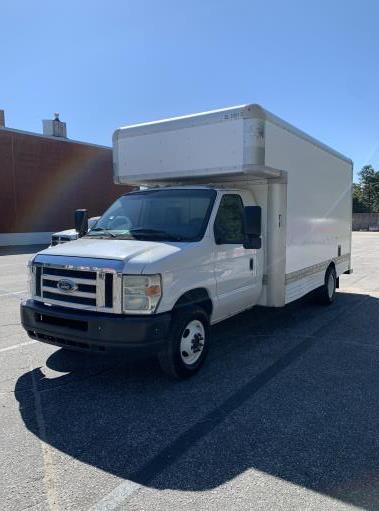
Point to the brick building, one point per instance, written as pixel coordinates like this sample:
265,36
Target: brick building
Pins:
45,177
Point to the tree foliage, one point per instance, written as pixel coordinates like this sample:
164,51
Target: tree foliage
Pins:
358,204
366,191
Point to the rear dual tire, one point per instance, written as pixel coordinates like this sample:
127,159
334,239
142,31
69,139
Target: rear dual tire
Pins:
326,294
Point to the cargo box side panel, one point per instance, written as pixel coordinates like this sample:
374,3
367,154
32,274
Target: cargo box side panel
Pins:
196,150
318,207
213,144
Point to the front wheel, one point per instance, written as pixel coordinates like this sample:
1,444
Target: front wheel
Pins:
188,343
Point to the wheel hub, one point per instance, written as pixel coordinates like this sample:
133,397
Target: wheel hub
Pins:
192,342
196,344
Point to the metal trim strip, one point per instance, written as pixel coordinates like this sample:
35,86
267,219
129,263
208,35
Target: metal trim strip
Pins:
69,305
245,172
100,289
310,270
89,282
57,292
316,268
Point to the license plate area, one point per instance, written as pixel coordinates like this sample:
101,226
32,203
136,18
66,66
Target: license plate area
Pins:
72,324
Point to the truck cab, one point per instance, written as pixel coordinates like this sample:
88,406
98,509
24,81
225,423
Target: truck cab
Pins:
154,256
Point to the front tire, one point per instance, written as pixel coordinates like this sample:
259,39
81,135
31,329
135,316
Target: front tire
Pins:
327,293
188,343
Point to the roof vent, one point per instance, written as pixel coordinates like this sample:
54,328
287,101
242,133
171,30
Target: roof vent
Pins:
2,119
55,127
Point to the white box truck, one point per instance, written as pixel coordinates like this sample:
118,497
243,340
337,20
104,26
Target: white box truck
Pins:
236,208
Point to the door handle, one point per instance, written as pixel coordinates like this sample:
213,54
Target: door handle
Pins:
251,264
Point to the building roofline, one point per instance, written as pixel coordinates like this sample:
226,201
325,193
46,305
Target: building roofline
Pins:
47,137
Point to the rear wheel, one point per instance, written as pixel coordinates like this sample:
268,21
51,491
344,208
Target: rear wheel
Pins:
327,293
187,346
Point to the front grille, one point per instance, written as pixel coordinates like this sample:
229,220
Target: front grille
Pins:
108,290
70,298
76,288
61,272
81,287
38,280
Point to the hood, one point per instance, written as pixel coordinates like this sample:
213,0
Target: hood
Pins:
135,253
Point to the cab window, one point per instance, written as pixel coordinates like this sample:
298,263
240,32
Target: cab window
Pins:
229,223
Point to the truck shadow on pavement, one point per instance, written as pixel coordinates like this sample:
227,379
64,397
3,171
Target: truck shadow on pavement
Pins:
292,393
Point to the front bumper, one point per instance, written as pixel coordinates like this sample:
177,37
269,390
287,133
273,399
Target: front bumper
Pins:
92,331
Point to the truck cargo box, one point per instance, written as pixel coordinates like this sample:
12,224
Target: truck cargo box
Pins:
303,186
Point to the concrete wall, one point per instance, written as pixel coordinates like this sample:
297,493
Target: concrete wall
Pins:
44,179
366,221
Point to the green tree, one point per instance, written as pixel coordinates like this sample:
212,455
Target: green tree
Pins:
366,193
358,204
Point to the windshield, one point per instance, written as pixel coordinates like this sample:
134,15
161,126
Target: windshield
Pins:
169,215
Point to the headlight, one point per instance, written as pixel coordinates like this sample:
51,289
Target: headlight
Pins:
141,293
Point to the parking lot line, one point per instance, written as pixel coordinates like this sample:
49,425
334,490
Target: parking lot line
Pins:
116,497
10,293
15,346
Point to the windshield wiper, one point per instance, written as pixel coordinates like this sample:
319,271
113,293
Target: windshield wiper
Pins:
155,232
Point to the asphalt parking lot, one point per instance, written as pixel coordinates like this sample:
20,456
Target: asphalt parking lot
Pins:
285,415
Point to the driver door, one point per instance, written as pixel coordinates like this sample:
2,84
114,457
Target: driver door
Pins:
236,272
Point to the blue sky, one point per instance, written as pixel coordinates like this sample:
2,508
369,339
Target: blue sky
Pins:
104,64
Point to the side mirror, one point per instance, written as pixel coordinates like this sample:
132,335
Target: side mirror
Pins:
253,221
252,242
253,227
81,222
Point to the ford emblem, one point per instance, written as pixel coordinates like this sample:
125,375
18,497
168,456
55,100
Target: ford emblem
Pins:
66,285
